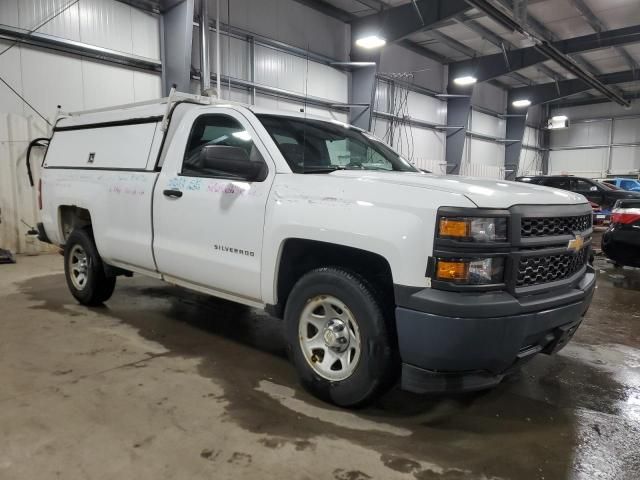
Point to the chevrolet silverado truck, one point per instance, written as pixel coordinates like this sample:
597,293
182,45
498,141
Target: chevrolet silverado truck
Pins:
380,271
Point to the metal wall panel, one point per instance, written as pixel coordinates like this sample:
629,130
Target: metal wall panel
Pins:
106,23
288,22
487,124
423,147
145,40
50,79
427,108
592,133
11,72
590,163
33,13
625,161
9,13
486,153
626,130
98,81
296,74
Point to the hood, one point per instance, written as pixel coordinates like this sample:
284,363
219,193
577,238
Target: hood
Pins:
484,192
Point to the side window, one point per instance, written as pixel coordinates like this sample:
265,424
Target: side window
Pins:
219,130
626,184
583,186
562,183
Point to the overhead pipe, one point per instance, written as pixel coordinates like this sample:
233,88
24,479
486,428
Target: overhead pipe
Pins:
205,79
218,69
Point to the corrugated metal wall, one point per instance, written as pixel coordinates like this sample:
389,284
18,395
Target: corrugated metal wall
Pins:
602,140
47,78
483,155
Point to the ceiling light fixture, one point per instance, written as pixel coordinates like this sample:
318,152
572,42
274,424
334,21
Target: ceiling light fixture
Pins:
521,103
466,80
372,41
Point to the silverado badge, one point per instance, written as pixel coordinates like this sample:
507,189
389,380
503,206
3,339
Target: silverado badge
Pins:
575,244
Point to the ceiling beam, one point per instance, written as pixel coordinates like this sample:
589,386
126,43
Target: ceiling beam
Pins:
396,23
495,65
550,92
547,48
598,26
546,34
591,101
328,9
501,43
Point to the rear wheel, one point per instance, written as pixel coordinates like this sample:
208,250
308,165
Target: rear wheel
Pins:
84,270
338,337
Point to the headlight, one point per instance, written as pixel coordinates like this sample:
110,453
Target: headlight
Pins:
473,229
486,271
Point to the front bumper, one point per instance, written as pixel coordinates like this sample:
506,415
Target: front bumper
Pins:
469,341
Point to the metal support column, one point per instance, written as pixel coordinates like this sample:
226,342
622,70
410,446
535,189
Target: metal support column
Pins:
177,37
362,88
516,124
458,109
252,68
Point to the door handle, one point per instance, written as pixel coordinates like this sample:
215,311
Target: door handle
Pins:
172,193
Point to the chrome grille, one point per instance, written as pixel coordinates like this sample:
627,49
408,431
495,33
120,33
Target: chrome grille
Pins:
553,226
550,268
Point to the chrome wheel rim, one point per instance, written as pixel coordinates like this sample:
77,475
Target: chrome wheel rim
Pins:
329,337
78,267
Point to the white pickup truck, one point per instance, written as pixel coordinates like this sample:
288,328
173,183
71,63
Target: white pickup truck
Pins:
379,270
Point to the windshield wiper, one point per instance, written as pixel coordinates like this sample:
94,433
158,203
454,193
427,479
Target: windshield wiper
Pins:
325,169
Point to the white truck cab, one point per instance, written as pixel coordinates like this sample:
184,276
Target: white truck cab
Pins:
379,270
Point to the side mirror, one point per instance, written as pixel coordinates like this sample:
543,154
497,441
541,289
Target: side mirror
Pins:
593,189
231,160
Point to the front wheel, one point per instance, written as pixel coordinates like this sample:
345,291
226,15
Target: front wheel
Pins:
338,337
84,270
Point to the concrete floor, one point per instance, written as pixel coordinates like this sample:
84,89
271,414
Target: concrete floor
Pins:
163,383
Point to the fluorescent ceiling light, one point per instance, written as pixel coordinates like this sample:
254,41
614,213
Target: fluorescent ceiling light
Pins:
467,80
559,118
521,103
372,41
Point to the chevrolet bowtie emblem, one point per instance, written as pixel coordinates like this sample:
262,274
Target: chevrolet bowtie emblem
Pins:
576,244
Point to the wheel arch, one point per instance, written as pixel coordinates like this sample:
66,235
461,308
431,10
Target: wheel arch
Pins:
71,217
298,256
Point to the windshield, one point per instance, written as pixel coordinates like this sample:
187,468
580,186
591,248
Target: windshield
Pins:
316,146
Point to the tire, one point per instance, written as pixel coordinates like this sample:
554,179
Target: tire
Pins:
336,367
84,270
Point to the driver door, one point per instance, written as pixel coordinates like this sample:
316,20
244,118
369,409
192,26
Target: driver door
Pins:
589,189
208,224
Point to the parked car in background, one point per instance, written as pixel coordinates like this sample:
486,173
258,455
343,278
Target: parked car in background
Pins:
599,216
629,184
621,242
603,194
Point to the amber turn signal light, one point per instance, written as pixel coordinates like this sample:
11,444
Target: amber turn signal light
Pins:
454,228
452,271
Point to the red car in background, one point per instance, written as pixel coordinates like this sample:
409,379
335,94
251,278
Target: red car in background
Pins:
621,242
